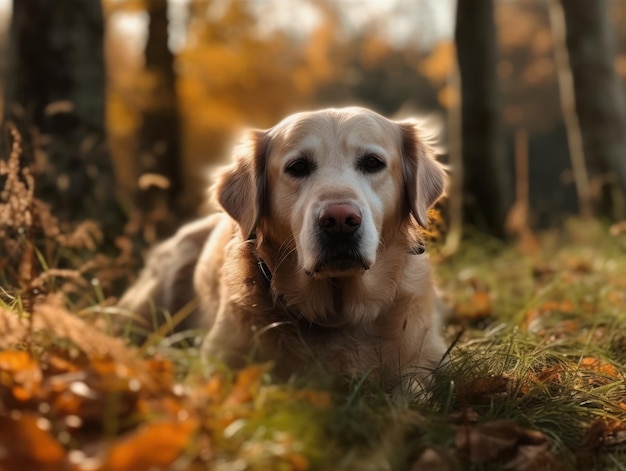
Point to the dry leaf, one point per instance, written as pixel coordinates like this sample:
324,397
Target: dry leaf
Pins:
246,385
25,444
600,366
485,388
152,446
506,442
434,460
476,308
321,399
603,432
21,373
598,372
551,374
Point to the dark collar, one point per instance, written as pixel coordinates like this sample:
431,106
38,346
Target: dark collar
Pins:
265,270
262,266
419,249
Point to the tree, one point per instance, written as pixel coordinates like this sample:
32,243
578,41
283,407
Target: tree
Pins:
487,187
55,93
598,90
159,165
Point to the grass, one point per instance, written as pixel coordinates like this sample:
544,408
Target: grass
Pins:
536,381
548,349
536,378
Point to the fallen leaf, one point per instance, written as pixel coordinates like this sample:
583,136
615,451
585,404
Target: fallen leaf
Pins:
55,365
434,460
487,387
598,372
504,441
26,444
547,376
551,374
600,366
152,446
297,461
476,308
21,373
320,399
530,457
602,433
246,385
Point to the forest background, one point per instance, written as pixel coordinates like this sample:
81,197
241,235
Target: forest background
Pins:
113,115
177,83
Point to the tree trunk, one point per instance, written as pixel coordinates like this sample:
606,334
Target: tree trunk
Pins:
159,172
598,90
487,187
55,93
568,107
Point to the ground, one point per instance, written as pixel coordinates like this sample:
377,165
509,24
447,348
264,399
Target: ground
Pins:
537,335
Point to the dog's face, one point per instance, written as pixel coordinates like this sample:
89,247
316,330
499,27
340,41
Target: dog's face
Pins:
333,185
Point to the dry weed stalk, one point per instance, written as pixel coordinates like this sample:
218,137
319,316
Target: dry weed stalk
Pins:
30,233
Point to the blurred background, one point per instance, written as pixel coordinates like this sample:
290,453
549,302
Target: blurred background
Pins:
130,102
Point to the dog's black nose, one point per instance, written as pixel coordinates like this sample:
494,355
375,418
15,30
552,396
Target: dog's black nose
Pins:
340,219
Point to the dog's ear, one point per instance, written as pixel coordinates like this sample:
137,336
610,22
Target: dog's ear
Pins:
424,177
240,189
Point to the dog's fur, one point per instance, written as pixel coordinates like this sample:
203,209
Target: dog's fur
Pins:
274,281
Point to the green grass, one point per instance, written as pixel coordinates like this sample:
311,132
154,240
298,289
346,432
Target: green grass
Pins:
536,379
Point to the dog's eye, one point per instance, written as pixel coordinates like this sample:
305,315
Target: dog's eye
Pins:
300,168
371,163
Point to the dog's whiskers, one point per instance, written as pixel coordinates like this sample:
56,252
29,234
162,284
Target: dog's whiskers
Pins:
287,248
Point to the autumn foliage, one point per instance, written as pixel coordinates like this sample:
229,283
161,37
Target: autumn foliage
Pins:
536,331
535,381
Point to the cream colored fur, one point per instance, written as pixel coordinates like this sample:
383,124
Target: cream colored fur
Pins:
377,314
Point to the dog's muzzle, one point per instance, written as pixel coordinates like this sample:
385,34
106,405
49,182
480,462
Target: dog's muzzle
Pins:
339,240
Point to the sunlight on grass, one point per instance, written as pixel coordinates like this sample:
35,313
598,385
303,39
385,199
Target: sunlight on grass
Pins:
535,381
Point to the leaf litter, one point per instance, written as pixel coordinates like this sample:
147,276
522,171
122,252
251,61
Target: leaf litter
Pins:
535,380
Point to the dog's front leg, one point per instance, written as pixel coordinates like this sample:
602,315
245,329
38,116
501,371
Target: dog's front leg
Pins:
229,340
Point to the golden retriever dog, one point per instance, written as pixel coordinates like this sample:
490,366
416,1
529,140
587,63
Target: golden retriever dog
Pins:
317,257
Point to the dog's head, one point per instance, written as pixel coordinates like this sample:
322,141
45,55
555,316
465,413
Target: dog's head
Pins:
335,185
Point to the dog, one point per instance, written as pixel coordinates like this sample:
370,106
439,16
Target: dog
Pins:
317,257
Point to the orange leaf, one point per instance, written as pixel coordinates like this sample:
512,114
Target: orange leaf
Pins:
19,371
477,308
321,399
247,383
603,432
59,365
297,461
550,374
25,444
152,446
600,366
215,389
483,388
